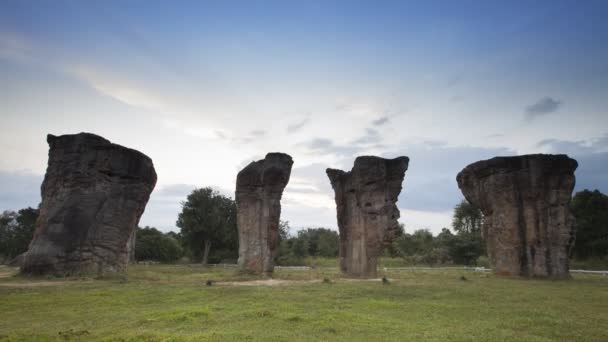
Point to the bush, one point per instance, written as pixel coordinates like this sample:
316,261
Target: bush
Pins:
483,261
152,244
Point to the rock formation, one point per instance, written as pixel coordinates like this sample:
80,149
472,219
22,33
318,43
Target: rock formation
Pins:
259,188
528,226
367,213
93,195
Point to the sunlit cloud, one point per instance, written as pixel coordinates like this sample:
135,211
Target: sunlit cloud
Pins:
111,85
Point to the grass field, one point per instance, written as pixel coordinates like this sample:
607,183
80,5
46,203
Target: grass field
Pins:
173,302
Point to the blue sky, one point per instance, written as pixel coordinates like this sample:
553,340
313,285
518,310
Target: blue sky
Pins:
203,88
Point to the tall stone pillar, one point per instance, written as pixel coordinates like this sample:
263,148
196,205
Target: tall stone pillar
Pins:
367,212
259,188
93,194
528,226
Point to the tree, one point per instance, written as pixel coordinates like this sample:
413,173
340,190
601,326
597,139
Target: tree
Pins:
467,245
283,231
16,231
467,218
591,211
7,226
466,248
315,242
207,218
152,244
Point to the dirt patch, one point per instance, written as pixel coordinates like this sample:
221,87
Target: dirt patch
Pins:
42,283
7,272
361,279
283,282
34,284
267,282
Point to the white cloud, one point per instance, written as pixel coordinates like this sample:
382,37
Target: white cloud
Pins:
434,221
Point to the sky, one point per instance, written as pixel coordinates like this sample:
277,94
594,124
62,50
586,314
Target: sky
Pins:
206,87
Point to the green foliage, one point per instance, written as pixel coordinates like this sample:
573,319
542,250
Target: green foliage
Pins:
422,248
283,230
208,219
152,244
310,242
467,218
16,231
591,211
464,247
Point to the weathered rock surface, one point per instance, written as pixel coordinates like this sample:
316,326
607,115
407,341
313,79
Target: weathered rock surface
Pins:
367,213
259,188
528,226
93,195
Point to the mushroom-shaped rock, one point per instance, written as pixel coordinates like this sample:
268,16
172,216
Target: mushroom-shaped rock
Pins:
528,226
93,194
367,212
259,188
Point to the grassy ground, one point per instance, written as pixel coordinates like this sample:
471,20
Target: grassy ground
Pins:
172,302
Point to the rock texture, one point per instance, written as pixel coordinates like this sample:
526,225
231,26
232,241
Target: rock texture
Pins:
367,213
93,195
528,226
259,188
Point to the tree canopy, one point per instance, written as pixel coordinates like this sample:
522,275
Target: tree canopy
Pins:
591,211
152,244
16,231
467,218
208,219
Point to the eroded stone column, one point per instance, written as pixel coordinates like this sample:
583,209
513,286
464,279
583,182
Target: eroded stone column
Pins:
367,212
93,194
528,226
259,188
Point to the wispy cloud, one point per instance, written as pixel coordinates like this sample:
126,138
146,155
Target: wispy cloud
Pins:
371,136
294,127
576,147
125,91
257,133
327,146
454,81
14,46
592,157
544,106
381,121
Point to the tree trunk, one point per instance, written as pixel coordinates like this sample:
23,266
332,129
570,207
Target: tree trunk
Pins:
206,251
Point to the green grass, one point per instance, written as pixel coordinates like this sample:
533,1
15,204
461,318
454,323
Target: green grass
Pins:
172,302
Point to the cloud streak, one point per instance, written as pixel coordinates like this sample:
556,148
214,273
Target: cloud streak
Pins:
592,157
295,127
381,121
544,106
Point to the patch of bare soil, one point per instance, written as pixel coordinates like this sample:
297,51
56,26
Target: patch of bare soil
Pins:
35,284
361,279
267,282
283,282
7,272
